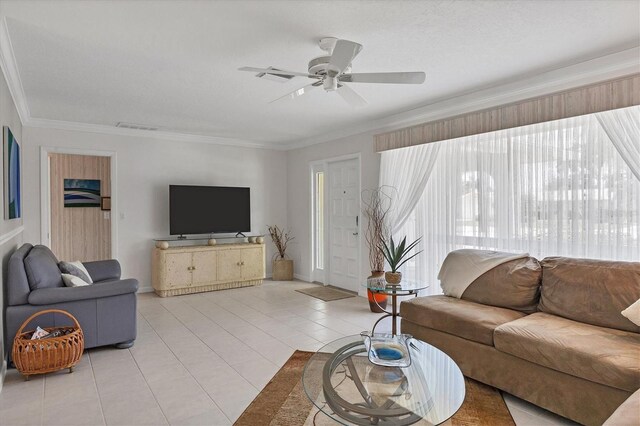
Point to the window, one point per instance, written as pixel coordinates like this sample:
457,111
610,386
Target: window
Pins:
557,188
318,215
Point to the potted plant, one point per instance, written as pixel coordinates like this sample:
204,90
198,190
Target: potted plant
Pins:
396,256
281,266
376,208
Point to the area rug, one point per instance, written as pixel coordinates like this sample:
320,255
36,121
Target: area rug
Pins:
283,402
326,293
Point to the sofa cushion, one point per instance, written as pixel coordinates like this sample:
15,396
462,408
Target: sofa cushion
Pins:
512,285
602,355
469,320
17,281
590,291
626,414
49,296
42,269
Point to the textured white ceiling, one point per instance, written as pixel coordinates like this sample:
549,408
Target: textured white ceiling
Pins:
173,64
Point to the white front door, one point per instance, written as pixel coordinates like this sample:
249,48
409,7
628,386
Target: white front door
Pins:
344,211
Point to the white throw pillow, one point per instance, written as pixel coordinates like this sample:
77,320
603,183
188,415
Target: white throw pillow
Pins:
633,313
73,281
80,266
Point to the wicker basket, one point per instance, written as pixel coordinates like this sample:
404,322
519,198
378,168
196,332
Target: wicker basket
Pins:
41,356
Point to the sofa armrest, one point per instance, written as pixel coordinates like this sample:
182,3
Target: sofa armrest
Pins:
49,296
103,270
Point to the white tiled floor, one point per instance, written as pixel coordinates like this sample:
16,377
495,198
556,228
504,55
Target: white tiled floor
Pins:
199,359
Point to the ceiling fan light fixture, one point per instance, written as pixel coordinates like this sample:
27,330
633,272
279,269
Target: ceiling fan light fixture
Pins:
330,84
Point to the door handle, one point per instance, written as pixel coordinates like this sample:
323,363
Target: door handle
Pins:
356,233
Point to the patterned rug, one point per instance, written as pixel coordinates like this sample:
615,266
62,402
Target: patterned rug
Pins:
326,293
283,402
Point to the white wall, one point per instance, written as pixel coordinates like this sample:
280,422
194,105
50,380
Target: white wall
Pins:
9,240
145,168
299,195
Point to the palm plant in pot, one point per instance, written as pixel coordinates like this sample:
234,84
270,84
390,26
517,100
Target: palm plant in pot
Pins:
396,256
281,266
377,204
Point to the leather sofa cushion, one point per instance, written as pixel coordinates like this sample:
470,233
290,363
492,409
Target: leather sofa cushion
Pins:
462,318
590,291
50,296
512,285
42,269
603,355
626,414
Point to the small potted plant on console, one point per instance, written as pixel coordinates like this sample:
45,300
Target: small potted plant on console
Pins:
281,266
396,256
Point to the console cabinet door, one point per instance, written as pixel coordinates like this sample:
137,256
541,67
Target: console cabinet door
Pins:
178,269
229,268
205,267
252,263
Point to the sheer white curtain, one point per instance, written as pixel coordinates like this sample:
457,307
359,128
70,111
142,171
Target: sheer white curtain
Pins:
407,172
622,126
557,188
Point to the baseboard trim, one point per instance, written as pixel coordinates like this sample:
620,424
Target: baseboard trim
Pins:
302,277
145,289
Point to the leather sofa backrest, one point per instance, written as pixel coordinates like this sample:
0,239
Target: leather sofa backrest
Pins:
512,285
590,291
42,269
17,283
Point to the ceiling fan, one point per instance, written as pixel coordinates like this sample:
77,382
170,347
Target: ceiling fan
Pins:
333,70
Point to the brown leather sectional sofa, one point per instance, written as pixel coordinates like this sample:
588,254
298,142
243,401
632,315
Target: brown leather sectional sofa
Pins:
549,332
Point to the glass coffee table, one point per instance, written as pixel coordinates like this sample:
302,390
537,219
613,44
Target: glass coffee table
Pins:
405,288
344,385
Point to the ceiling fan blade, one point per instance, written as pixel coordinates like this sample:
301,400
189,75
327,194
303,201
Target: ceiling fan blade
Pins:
343,53
351,97
385,77
298,92
275,71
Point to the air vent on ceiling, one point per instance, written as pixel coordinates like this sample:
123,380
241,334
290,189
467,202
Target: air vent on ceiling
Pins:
135,126
280,78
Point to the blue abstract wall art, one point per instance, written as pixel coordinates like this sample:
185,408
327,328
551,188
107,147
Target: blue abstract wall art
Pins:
12,189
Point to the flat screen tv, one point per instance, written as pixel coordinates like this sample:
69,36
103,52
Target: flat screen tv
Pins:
208,209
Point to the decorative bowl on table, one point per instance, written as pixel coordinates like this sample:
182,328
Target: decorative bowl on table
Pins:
388,350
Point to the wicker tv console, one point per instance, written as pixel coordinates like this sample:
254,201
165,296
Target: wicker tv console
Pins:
195,269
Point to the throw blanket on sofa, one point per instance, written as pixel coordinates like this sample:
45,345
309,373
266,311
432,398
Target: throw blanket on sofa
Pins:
461,267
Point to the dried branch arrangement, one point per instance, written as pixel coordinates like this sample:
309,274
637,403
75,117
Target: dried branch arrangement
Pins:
280,239
377,204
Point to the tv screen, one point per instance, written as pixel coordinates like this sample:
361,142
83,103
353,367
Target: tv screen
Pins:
208,209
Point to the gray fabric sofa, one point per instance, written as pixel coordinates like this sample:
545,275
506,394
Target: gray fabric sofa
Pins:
106,310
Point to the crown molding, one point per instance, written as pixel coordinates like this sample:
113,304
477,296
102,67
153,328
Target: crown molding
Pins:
607,67
11,74
44,123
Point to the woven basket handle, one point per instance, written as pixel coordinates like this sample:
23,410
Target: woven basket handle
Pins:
46,311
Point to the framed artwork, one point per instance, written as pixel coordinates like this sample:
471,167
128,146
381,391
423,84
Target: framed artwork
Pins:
82,193
12,189
105,203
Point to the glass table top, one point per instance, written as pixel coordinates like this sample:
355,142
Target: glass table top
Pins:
344,385
405,287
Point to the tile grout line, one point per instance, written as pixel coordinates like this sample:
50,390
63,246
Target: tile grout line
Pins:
95,384
145,377
180,361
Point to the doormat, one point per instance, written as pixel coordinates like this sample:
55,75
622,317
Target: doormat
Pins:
326,293
283,402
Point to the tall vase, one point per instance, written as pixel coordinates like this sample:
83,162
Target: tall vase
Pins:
381,299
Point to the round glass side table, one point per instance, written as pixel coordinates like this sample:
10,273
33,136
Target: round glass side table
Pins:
404,288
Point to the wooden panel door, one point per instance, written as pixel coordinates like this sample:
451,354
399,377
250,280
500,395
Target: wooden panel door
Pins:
79,233
252,263
205,265
178,269
229,268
